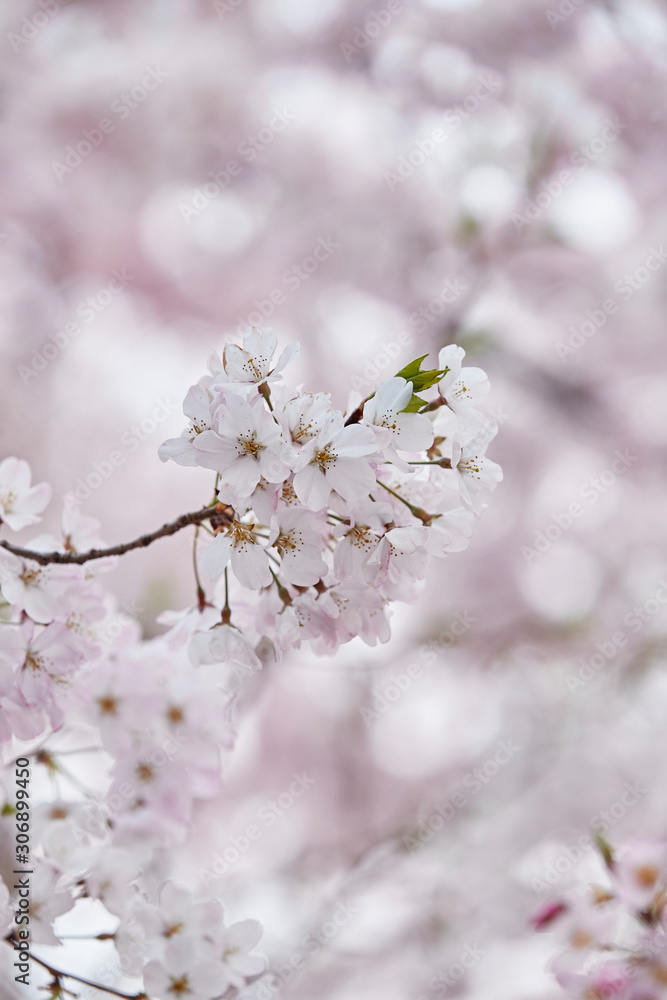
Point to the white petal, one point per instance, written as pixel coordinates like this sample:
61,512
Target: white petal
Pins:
355,441
214,559
414,432
180,450
291,351
352,478
311,487
251,566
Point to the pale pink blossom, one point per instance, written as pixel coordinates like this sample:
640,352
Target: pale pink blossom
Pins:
20,503
253,363
239,546
246,445
337,459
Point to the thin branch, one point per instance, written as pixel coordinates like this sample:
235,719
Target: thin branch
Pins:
44,558
58,976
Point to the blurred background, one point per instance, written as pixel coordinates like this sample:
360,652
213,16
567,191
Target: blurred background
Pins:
375,180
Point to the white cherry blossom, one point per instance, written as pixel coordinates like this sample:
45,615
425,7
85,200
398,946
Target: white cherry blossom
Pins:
223,644
239,546
235,945
37,590
199,405
474,474
411,432
358,540
295,535
463,389
245,446
253,363
20,503
185,973
337,459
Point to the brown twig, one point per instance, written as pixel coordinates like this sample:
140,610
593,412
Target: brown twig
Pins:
219,511
58,975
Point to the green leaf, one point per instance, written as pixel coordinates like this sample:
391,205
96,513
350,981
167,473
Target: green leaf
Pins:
605,849
415,404
411,369
421,380
426,380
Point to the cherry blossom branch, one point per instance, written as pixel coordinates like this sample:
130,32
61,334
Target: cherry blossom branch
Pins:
196,517
58,975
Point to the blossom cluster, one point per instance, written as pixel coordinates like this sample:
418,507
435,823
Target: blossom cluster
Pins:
74,669
614,937
331,516
327,517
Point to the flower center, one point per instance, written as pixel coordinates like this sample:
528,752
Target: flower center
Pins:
288,494
472,466
581,938
647,876
325,458
289,542
108,705
7,501
251,445
172,929
33,661
144,772
179,987
241,535
30,576
360,536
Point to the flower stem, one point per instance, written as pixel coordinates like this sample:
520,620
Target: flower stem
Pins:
201,593
418,512
444,463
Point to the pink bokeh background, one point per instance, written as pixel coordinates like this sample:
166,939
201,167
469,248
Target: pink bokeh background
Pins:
556,287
